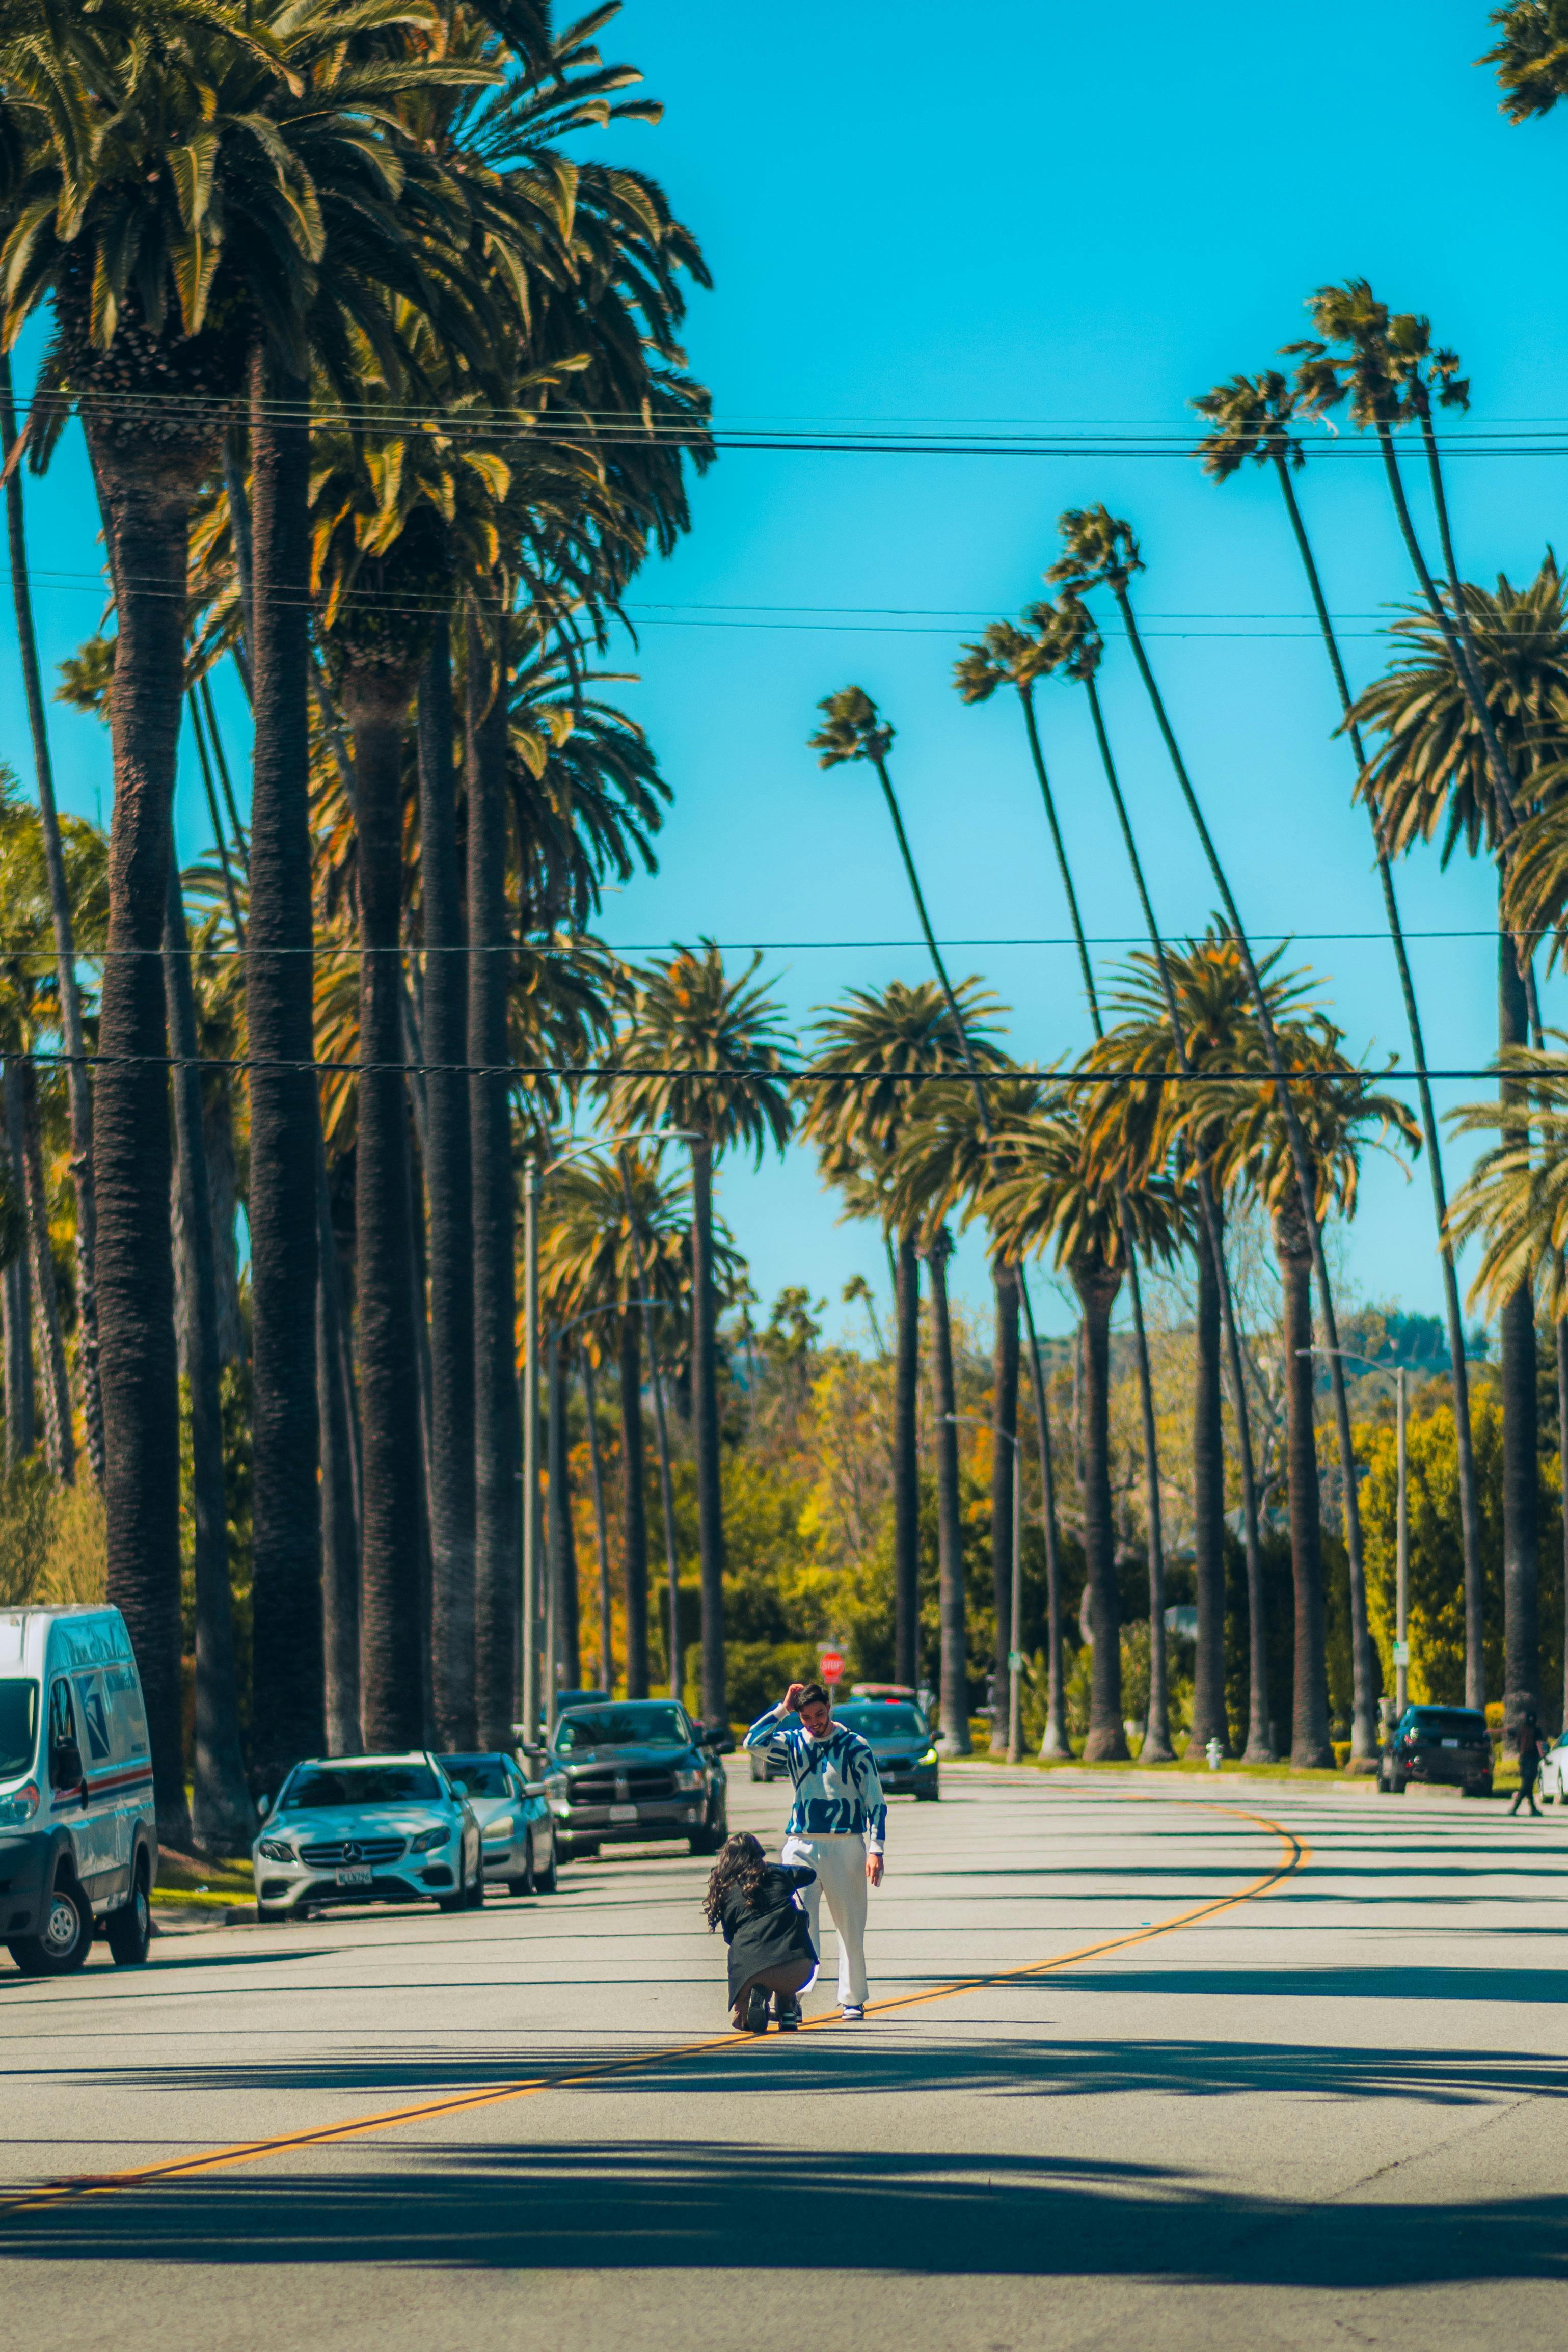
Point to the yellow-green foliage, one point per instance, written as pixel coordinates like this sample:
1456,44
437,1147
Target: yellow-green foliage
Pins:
52,1541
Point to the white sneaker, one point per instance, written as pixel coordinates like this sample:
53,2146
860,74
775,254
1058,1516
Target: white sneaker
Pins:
852,2012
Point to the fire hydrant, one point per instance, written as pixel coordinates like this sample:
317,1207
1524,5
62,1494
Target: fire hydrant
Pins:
1214,1751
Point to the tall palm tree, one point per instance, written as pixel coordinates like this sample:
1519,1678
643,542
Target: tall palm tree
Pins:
1530,55
870,1055
1100,550
1052,1187
614,1224
1011,655
1432,771
1252,419
699,1051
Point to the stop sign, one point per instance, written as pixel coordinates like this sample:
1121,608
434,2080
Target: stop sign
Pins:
832,1667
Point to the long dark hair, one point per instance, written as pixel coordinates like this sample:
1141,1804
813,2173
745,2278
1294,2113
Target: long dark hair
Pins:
741,1868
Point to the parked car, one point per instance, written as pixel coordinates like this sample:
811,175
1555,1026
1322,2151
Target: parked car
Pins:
768,1763
519,1836
79,1837
631,1770
901,1741
1552,1787
1449,1744
367,1829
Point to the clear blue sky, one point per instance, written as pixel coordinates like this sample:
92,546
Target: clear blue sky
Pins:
1011,217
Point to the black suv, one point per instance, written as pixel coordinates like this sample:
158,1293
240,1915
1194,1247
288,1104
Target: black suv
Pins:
1446,1744
631,1770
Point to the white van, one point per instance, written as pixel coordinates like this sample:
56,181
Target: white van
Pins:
79,1837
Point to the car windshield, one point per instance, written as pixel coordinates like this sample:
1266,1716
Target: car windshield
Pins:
1446,1723
623,1726
482,1776
881,1720
315,1787
18,1725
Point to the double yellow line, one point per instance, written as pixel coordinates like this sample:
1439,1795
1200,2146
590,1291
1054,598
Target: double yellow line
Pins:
1294,1856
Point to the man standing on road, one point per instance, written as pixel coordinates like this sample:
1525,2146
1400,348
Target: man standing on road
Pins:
836,1826
1529,1768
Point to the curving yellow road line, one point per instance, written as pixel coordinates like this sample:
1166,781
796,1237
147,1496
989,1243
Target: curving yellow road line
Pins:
1295,1854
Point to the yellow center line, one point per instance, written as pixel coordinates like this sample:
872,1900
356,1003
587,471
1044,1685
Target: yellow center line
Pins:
1295,1853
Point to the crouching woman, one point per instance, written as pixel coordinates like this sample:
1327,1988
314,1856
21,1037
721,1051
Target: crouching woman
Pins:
769,1935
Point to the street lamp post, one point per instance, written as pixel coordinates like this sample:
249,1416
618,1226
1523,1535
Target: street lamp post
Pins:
533,1179
1015,1605
1401,1519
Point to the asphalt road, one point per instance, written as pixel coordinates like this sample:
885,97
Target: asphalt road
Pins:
1322,2110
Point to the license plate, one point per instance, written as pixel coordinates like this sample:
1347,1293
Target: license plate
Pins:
623,1812
356,1877
1450,1743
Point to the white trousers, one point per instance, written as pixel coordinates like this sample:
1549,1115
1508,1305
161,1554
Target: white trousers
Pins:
840,1866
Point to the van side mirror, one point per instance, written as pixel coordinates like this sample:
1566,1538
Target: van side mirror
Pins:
65,1765
263,1807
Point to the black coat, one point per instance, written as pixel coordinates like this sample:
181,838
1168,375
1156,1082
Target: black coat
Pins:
768,1931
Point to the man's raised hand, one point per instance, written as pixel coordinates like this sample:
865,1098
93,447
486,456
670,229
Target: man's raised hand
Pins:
792,1696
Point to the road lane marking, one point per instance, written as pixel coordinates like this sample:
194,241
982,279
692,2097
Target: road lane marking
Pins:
1295,1854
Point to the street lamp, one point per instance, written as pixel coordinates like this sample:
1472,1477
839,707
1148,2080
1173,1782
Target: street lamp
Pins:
1016,1628
1402,1541
533,1179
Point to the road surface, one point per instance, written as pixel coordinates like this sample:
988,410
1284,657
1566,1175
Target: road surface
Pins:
1246,2066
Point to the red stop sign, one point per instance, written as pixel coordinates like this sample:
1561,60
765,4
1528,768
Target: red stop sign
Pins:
832,1667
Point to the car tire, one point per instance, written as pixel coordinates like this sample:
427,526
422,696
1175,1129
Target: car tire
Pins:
474,1894
927,1796
130,1929
62,1946
271,1913
547,1881
525,1885
463,1900
759,1769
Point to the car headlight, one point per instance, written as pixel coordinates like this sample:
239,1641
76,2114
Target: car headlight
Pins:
427,1839
19,1806
275,1850
689,1778
503,1828
557,1788
929,1756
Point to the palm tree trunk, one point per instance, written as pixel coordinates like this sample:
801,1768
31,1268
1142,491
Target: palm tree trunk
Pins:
1097,1287
1209,1720
906,1465
1003,1444
1310,1745
634,1507
21,1416
288,1669
705,1417
600,1527
949,1518
563,1536
79,1090
1469,1502
222,1819
1054,1740
340,1511
60,1435
1563,1475
448,1178
146,513
497,1434
1363,1735
1517,1374
376,703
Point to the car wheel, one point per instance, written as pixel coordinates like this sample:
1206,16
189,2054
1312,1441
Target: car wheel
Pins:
927,1796
547,1881
266,1912
525,1885
464,1899
64,1939
474,1893
130,1929
759,1769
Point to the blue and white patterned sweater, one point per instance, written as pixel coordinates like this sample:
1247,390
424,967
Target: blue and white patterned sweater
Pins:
837,1791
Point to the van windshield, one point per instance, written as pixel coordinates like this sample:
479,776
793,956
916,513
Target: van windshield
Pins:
19,1725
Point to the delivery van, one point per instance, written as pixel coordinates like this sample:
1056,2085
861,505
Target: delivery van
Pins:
79,1837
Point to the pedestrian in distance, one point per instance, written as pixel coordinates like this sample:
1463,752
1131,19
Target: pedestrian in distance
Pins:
837,1825
756,1902
1529,1753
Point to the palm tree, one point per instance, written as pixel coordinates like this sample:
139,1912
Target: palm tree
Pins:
870,1055
1433,771
1335,1111
1530,56
1101,550
700,1053
614,1224
1252,418
1056,1190
1010,656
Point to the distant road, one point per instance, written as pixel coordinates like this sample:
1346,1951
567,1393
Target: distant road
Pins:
1279,2070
